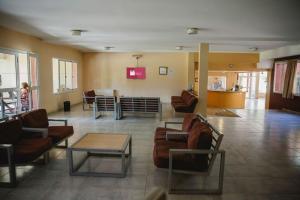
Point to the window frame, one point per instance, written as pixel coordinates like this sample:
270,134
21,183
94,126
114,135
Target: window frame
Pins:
274,80
294,79
64,90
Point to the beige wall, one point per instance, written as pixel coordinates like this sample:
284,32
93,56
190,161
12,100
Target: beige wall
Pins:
15,40
108,70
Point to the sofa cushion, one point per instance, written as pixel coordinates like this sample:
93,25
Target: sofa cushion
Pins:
10,131
180,161
59,133
30,149
188,121
161,152
35,119
27,150
200,136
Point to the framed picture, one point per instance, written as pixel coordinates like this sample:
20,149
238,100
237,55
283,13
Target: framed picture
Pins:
163,70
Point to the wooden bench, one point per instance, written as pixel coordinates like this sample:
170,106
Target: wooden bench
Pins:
140,105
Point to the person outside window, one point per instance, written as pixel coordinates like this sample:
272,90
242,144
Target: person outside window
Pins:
25,96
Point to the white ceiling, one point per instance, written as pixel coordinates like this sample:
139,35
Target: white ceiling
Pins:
157,25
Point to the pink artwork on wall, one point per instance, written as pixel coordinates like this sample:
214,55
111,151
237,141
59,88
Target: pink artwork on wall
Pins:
136,72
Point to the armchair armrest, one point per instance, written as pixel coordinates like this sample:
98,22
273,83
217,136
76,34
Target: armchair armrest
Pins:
10,152
59,120
43,131
194,151
175,135
6,146
166,123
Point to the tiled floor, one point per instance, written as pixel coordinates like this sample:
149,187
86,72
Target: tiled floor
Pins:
262,160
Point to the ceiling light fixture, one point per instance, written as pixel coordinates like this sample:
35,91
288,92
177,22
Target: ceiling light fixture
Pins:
108,48
78,32
192,30
179,47
253,48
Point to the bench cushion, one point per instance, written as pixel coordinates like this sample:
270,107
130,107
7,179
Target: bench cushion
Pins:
180,161
59,133
28,150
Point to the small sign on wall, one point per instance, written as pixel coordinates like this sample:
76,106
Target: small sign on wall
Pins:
163,70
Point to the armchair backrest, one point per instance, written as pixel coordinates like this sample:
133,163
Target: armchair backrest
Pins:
88,96
35,119
188,120
10,131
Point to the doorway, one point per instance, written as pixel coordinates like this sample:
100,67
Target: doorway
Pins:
17,67
255,86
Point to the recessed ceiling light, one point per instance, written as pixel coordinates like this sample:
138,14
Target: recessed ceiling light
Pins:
78,32
179,47
108,48
192,30
253,48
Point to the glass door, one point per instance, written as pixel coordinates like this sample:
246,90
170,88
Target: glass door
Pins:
33,81
8,83
248,81
19,86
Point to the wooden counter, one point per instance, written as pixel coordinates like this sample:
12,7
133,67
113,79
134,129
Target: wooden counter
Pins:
226,99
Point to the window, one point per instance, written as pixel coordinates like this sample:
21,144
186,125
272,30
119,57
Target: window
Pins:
279,75
296,86
64,75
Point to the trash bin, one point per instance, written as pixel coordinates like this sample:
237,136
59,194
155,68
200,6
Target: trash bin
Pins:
67,106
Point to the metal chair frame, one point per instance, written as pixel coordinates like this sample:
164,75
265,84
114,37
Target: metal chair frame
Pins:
213,153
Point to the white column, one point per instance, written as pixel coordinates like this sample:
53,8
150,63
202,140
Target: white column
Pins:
203,76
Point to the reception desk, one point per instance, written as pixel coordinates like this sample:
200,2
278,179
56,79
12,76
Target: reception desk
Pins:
226,99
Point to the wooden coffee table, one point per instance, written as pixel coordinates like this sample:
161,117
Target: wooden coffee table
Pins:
101,144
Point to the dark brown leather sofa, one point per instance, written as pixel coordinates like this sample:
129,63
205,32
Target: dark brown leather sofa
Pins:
19,147
38,119
185,103
193,151
186,125
198,137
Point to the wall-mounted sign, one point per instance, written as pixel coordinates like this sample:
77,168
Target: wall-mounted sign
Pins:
136,72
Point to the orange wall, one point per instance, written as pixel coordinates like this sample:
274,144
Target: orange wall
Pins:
240,61
108,70
45,51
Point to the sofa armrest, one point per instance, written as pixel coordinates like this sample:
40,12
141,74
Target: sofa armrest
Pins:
10,151
194,151
175,135
59,120
166,123
6,146
42,131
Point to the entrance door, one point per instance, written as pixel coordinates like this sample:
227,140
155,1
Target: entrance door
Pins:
248,83
33,81
17,68
8,83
